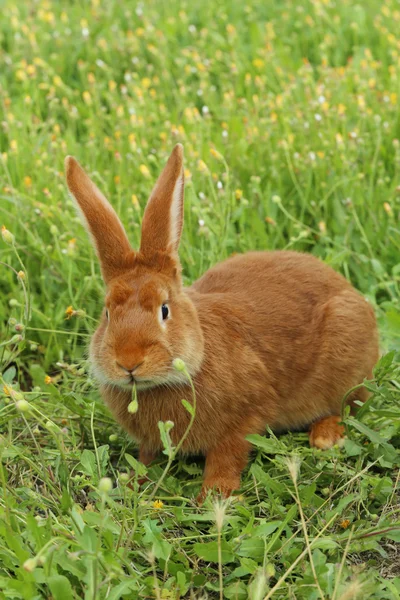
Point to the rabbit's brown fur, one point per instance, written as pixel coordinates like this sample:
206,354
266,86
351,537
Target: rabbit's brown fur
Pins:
269,338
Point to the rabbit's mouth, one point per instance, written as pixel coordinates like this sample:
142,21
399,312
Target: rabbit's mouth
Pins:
164,376
142,384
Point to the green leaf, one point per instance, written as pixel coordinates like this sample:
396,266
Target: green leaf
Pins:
103,455
236,591
393,321
393,535
153,536
165,438
88,463
325,543
268,445
352,448
188,407
369,433
77,519
129,585
60,587
137,466
66,501
252,547
266,529
209,551
9,375
89,539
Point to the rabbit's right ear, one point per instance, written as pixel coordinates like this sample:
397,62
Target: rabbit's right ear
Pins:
101,221
163,217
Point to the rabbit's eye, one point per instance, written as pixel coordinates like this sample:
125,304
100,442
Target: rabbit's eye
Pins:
164,311
107,314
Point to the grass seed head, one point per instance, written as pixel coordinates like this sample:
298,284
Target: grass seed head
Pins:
293,464
220,507
354,591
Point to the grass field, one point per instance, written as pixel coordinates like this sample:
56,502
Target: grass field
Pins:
289,116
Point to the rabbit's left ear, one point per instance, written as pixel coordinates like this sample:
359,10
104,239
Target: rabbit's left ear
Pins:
163,217
100,219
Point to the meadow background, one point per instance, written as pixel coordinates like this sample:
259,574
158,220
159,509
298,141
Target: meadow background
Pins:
289,117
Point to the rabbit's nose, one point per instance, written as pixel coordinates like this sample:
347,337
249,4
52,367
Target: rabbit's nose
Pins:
128,367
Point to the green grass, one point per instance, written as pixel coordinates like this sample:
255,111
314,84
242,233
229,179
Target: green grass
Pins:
299,105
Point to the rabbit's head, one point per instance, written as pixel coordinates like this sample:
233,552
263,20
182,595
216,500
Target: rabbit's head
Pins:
148,320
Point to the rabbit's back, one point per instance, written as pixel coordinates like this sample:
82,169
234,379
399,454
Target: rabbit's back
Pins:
281,272
314,334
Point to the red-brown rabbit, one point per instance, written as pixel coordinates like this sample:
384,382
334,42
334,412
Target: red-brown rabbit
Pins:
269,338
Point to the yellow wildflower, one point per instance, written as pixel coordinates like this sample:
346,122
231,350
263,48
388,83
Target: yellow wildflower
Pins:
388,208
345,523
158,504
69,312
258,63
87,98
48,380
202,167
20,75
144,171
31,70
238,194
216,154
27,181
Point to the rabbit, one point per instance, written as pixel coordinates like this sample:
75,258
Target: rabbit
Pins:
269,338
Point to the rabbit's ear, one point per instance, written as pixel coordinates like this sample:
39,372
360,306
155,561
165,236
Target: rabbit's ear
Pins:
101,221
163,217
